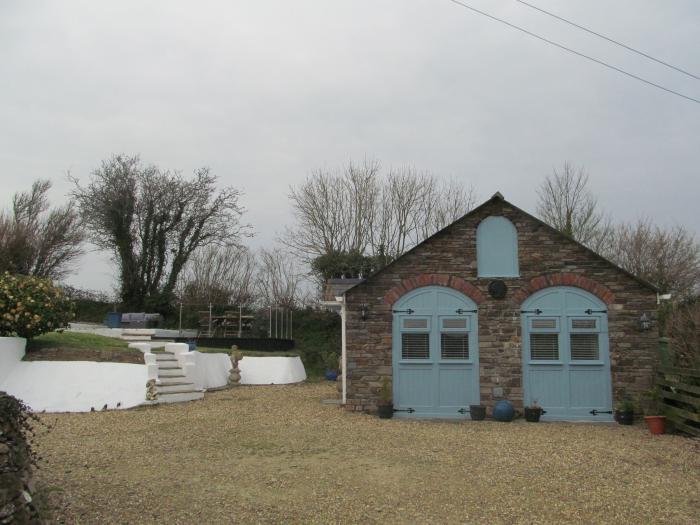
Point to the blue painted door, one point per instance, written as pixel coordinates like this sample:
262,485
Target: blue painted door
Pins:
566,361
435,354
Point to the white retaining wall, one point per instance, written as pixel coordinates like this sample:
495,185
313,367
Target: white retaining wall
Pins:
11,353
69,386
271,370
210,370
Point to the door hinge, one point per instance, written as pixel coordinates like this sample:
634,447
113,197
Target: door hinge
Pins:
595,412
536,311
409,410
589,311
463,410
460,311
409,311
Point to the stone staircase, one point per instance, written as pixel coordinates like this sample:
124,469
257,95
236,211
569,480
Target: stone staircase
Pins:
172,385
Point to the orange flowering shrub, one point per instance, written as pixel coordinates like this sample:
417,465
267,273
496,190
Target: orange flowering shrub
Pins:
31,306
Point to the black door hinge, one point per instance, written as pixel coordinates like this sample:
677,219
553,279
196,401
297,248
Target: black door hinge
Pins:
460,311
595,412
536,311
589,311
462,410
408,311
409,410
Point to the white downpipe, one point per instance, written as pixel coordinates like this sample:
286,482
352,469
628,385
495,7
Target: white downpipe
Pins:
343,351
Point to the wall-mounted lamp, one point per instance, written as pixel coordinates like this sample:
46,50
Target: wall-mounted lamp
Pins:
363,312
644,322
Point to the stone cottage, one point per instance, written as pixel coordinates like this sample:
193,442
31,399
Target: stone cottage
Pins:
498,305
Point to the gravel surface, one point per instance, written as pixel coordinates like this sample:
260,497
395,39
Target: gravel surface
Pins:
275,454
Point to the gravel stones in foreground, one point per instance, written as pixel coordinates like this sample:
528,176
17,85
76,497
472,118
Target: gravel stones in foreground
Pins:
276,454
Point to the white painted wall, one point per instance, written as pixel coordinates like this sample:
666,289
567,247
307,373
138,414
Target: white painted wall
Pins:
69,386
210,370
11,353
76,386
271,370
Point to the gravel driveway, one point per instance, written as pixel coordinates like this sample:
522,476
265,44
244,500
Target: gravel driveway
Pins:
275,454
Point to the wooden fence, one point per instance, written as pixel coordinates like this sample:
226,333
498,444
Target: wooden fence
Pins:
679,389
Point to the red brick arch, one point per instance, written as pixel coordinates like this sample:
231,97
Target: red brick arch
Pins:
565,279
434,279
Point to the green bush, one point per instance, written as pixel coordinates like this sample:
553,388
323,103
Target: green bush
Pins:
31,306
316,332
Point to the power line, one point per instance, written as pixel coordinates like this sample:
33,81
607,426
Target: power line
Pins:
610,40
561,46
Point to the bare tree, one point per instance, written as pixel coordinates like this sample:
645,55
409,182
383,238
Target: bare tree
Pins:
279,279
361,211
667,258
153,221
36,239
683,327
566,204
219,275
334,211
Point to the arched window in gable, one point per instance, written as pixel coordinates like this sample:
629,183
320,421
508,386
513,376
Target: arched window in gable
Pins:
497,248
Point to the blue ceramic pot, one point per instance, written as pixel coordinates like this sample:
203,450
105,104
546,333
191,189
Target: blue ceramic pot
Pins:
504,411
331,375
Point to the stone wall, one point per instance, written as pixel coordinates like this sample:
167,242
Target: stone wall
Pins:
16,491
546,258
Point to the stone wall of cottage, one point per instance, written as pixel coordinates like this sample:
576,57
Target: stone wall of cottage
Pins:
546,258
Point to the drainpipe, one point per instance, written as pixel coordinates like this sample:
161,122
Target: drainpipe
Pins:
343,350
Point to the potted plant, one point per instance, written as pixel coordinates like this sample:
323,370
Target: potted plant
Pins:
533,412
385,405
477,412
330,362
655,422
624,414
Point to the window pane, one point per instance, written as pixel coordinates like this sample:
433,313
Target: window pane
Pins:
584,323
454,346
415,323
584,347
454,323
415,346
544,323
544,347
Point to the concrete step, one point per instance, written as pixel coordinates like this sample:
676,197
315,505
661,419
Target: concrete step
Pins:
179,397
170,372
167,365
135,337
172,380
174,388
139,331
165,357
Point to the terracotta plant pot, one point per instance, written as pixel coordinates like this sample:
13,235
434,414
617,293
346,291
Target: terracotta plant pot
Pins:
656,424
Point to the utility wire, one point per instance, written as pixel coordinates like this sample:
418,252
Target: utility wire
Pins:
560,46
610,40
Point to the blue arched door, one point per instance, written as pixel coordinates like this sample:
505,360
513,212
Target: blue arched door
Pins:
435,354
566,361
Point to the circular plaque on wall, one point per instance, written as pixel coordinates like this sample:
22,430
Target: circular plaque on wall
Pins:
498,289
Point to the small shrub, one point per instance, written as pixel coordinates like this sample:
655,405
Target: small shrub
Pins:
31,306
385,394
331,360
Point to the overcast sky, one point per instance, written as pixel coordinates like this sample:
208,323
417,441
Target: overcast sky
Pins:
263,92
